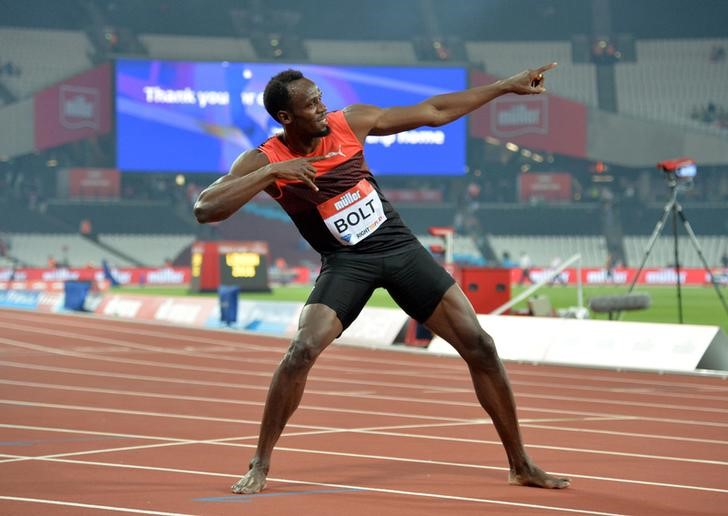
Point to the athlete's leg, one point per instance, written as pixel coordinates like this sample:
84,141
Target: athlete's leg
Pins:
454,320
318,327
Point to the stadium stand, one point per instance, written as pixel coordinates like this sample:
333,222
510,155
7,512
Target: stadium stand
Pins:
150,250
576,81
128,217
662,253
42,57
544,248
673,78
73,250
361,52
188,48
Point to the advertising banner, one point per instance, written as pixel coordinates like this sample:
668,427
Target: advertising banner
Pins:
75,109
214,111
94,183
648,276
537,122
544,187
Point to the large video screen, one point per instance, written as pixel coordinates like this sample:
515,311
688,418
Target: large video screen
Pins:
174,116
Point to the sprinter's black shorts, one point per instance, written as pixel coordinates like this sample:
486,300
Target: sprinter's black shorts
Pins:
413,278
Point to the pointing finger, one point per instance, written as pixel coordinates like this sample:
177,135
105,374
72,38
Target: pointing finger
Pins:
546,68
311,184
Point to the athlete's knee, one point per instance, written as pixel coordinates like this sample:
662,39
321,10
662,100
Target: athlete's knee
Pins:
482,351
301,354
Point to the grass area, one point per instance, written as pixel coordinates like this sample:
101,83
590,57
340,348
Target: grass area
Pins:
700,304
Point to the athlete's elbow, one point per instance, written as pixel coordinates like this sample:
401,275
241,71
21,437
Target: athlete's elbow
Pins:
203,212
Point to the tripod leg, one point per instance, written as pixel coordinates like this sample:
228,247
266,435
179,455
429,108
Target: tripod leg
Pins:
677,263
655,233
698,249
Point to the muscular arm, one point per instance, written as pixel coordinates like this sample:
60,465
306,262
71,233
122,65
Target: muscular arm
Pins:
250,174
441,109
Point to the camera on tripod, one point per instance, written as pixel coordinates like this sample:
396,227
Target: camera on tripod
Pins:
679,168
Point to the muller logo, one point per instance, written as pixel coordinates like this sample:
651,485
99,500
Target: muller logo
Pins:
347,199
79,107
516,116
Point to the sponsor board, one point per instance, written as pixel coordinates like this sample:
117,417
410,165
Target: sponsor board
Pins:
624,276
613,344
375,327
26,300
52,279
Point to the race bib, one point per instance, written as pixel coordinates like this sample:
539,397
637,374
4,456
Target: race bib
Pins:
353,215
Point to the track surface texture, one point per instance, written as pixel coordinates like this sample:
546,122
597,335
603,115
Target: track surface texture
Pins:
102,416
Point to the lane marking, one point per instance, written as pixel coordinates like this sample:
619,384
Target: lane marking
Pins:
167,350
90,506
219,400
362,488
249,498
438,402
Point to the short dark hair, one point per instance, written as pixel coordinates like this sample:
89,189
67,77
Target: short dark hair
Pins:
276,96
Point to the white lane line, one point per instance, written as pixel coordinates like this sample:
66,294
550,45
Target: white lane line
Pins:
360,488
624,434
457,421
378,432
522,409
226,441
216,370
199,335
167,350
389,398
207,399
477,466
90,506
388,459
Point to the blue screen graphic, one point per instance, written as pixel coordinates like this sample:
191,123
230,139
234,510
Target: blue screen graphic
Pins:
174,116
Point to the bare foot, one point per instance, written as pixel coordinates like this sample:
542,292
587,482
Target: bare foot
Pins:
533,476
252,482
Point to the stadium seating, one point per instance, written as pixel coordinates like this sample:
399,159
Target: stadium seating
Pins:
465,249
34,249
150,250
543,249
576,81
672,78
662,253
43,57
361,52
190,48
129,217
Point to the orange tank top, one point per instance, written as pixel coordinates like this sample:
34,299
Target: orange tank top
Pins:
348,213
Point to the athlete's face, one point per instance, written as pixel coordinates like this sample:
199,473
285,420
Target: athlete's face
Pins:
307,112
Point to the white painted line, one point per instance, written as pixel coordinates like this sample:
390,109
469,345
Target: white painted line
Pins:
479,466
90,506
406,372
389,398
360,488
379,432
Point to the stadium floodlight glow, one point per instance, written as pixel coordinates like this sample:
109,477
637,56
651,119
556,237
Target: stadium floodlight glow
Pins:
680,168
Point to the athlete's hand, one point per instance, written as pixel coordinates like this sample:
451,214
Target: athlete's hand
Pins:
529,82
299,169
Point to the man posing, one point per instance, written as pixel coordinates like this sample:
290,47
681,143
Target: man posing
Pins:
316,170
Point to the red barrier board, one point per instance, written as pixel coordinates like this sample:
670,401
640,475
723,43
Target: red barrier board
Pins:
540,122
74,109
648,276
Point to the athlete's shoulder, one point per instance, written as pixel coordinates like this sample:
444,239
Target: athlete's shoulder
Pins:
341,126
274,149
248,161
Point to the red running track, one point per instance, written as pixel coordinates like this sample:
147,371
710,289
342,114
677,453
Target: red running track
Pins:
101,416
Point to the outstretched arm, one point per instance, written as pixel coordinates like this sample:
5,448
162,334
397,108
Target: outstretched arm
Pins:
250,174
441,109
